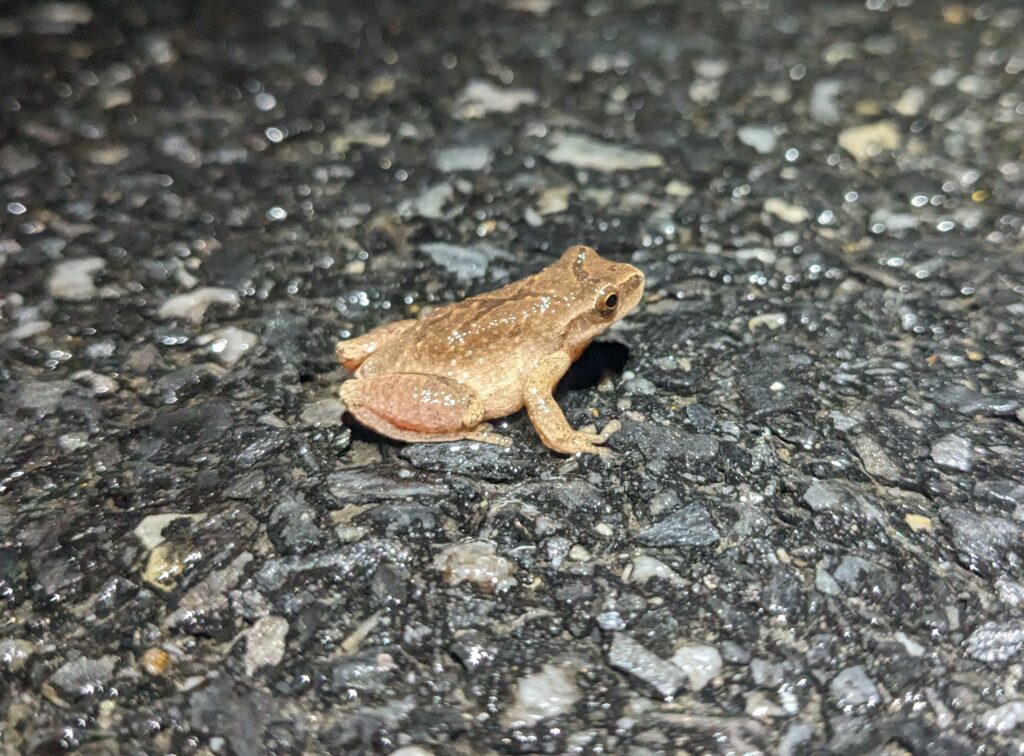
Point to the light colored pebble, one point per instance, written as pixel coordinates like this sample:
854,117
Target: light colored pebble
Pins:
711,68
762,255
470,158
467,263
429,203
1010,592
551,692
892,221
14,654
918,523
62,12
786,211
788,238
627,655
677,188
824,103
761,138
324,413
228,344
1003,718
477,563
482,97
29,329
796,735
704,91
759,706
773,321
853,687
163,567
192,305
579,553
73,441
996,642
102,385
150,530
953,452
871,139
700,663
593,154
72,280
645,568
876,459
265,643
825,583
608,621
554,200
912,646
155,661
910,102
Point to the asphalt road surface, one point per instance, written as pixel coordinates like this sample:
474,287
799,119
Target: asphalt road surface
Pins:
808,539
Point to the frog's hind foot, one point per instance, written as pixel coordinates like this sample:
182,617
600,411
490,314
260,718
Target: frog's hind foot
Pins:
484,434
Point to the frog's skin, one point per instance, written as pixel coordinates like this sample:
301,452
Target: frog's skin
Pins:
442,377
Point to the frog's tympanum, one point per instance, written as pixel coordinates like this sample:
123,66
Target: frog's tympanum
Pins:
442,377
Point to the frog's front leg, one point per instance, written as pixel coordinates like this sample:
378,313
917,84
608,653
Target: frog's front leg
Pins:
547,417
352,353
417,407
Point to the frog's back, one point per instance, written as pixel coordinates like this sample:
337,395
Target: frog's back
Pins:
488,342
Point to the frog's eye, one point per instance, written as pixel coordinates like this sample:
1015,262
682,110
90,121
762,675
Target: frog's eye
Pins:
607,302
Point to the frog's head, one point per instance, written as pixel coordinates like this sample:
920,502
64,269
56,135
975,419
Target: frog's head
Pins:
605,291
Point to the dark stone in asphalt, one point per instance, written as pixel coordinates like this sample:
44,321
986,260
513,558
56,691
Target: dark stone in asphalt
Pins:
687,527
293,527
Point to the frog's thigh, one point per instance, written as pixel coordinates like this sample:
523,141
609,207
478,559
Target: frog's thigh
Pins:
414,406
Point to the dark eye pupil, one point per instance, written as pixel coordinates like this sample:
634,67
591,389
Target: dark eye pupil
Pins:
611,301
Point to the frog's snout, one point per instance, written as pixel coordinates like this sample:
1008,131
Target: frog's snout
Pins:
636,281
632,290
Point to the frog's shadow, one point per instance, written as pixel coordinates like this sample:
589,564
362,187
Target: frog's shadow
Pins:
598,361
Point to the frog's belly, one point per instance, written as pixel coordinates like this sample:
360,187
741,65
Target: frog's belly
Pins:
501,391
501,397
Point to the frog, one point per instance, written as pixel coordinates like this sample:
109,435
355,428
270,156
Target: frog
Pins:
443,376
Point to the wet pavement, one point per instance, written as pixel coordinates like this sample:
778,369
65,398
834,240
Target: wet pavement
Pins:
809,537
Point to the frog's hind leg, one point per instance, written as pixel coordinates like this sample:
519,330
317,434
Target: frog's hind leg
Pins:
416,407
353,352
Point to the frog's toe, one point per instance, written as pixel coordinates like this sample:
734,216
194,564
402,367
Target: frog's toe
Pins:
611,428
588,433
483,434
581,443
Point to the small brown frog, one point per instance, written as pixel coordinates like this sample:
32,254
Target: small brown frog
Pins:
440,378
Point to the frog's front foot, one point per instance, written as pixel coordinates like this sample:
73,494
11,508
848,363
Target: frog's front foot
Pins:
586,440
547,416
581,445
